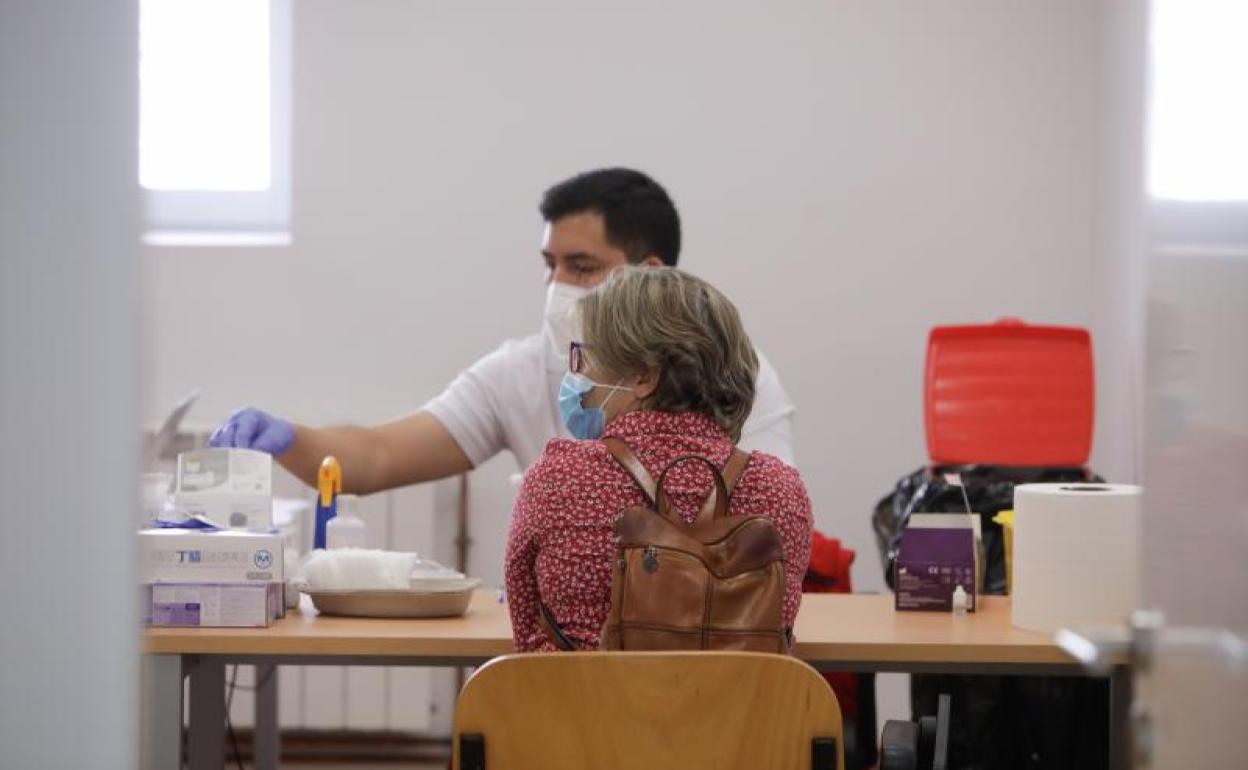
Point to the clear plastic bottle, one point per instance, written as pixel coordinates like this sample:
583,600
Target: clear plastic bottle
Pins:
961,601
346,530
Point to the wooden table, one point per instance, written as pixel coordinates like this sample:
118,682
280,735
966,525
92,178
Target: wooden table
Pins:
834,632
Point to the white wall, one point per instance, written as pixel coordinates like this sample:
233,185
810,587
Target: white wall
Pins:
69,280
851,174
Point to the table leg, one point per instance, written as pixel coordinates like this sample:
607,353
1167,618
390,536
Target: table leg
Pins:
161,712
206,726
267,745
1120,718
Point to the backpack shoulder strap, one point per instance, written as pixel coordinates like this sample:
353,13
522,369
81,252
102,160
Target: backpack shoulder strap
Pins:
546,619
626,458
735,467
732,471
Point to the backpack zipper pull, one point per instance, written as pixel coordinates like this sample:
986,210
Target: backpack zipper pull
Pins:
650,559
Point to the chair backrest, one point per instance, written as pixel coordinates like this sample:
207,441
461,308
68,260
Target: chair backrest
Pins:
1009,393
647,710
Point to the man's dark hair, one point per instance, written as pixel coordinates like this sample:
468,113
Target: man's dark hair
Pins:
639,216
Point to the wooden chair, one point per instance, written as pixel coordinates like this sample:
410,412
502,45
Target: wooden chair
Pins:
647,710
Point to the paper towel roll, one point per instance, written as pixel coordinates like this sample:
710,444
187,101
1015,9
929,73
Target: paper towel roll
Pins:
1076,554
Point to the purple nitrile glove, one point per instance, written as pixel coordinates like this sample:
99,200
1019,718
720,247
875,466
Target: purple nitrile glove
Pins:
251,428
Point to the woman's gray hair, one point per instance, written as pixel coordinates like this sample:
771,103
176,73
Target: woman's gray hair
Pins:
664,319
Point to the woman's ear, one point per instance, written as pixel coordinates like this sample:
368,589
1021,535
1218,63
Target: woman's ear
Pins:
647,383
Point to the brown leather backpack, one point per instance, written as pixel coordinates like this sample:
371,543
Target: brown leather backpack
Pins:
715,584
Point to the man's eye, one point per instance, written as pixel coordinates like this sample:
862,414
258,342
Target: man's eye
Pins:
583,269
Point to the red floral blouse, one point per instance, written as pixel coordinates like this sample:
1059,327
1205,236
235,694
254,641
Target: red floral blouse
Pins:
560,545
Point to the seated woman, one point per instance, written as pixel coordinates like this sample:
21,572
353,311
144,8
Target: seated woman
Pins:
666,366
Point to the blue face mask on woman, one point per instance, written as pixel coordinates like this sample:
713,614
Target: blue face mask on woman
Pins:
581,422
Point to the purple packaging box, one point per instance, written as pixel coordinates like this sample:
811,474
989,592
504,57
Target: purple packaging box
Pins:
221,605
931,562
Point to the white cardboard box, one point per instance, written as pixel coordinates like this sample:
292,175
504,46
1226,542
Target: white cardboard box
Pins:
221,556
232,487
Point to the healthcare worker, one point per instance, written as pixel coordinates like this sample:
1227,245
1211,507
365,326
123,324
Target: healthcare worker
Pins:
595,222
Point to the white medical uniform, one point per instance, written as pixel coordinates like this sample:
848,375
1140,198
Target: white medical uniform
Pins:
509,400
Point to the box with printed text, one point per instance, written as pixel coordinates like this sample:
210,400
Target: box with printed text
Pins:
198,556
218,605
938,553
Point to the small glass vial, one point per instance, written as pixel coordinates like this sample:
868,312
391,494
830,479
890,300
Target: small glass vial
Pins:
961,601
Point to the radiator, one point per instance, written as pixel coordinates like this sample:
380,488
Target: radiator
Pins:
400,698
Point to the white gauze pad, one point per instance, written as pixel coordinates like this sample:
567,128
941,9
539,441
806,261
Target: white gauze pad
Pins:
359,569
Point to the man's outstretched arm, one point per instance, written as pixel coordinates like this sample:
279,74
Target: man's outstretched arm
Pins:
405,451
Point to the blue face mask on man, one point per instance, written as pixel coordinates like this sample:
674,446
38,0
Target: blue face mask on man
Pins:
581,422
